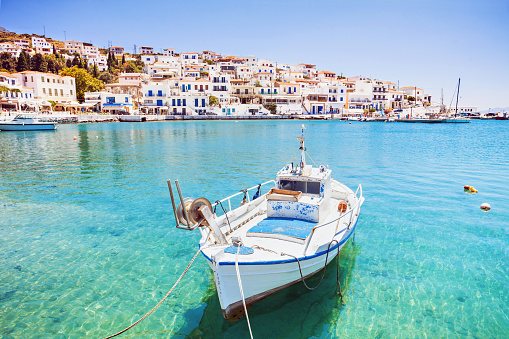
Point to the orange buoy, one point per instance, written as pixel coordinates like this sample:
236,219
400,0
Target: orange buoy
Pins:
485,207
469,189
74,138
342,206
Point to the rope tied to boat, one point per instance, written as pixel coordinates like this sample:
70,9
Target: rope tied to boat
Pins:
323,269
241,290
160,302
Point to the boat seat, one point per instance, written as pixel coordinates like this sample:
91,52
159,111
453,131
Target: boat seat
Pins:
288,229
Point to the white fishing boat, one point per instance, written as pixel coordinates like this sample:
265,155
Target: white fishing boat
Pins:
27,122
275,239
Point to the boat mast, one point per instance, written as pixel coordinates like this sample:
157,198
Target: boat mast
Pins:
457,96
302,150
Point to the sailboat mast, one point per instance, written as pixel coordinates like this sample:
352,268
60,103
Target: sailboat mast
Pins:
458,95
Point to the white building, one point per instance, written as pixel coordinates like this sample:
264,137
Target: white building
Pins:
74,47
116,50
189,58
113,103
169,51
146,50
49,86
16,96
23,43
12,49
41,46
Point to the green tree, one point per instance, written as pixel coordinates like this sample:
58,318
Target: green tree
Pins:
95,71
123,59
107,77
22,62
51,65
77,61
271,107
85,82
68,63
8,62
209,62
410,98
36,63
257,84
213,101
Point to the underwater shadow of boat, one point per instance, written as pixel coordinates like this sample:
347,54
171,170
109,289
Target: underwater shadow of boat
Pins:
293,312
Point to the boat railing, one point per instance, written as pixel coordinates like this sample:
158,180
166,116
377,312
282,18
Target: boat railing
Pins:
246,192
350,212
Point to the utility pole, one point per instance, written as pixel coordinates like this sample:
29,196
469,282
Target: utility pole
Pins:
44,30
135,49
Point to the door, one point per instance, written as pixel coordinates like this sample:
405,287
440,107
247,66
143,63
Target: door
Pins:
159,102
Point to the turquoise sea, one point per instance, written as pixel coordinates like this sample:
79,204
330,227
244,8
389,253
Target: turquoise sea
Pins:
88,242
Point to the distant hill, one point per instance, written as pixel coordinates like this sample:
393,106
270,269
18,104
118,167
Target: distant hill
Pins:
495,110
3,29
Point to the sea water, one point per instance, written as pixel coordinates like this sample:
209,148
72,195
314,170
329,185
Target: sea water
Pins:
88,242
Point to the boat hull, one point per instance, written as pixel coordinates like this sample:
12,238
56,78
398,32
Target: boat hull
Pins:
28,127
261,279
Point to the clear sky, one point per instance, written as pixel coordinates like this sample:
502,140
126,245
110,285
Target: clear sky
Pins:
428,44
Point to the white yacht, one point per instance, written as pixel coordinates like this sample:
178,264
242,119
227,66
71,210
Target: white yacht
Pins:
27,122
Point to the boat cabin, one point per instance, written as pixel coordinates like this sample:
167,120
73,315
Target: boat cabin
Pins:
301,193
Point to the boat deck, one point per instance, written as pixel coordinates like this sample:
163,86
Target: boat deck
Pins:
289,229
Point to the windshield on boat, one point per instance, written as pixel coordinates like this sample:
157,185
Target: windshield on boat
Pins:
24,116
311,187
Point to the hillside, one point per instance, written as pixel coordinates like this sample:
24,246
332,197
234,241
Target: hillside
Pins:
6,36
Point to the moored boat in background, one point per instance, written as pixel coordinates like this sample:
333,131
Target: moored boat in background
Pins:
27,122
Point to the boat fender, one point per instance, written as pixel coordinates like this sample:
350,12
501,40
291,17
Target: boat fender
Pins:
342,207
322,169
485,207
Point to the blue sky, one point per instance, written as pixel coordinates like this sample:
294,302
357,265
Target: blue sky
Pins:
429,44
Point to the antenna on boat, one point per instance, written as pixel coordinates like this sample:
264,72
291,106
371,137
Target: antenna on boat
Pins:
302,150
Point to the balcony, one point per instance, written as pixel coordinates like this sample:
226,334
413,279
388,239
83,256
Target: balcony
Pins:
359,101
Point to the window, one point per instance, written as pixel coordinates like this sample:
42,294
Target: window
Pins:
70,91
61,92
178,102
49,91
173,102
183,102
44,90
53,80
310,187
126,99
42,79
196,102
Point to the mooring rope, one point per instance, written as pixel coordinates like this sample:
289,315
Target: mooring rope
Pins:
159,303
323,269
242,291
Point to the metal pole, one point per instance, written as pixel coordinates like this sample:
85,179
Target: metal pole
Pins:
173,202
183,204
457,97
